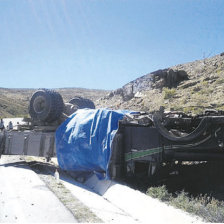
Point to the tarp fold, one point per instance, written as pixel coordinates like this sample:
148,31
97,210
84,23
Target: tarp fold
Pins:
83,141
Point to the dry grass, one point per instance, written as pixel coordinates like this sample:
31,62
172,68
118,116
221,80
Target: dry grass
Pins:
195,187
169,93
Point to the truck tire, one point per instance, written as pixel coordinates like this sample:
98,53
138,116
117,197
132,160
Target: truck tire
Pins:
58,106
46,105
82,102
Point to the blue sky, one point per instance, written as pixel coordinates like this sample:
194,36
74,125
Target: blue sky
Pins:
102,44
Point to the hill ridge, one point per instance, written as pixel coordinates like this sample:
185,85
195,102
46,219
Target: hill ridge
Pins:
192,86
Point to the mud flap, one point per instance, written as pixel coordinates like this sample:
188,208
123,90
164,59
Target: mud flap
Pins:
2,143
116,163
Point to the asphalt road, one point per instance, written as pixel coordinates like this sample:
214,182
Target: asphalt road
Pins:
25,198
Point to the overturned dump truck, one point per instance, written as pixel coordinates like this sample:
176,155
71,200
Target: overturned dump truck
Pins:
111,143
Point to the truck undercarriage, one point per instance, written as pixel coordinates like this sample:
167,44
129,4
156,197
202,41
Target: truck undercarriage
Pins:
142,143
148,140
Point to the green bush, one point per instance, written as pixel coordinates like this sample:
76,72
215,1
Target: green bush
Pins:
169,93
159,192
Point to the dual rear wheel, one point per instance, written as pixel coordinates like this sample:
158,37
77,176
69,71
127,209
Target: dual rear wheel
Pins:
47,105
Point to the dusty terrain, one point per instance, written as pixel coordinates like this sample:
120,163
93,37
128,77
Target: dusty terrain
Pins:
14,102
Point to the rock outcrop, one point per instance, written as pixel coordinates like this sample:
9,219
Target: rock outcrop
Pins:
156,80
186,87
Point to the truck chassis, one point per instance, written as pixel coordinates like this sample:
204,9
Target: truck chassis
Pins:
142,143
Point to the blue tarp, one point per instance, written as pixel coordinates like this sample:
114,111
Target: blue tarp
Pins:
83,141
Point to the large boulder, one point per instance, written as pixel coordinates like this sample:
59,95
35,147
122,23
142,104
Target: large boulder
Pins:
155,80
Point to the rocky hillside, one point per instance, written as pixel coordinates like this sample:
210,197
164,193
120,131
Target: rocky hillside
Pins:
186,87
14,102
